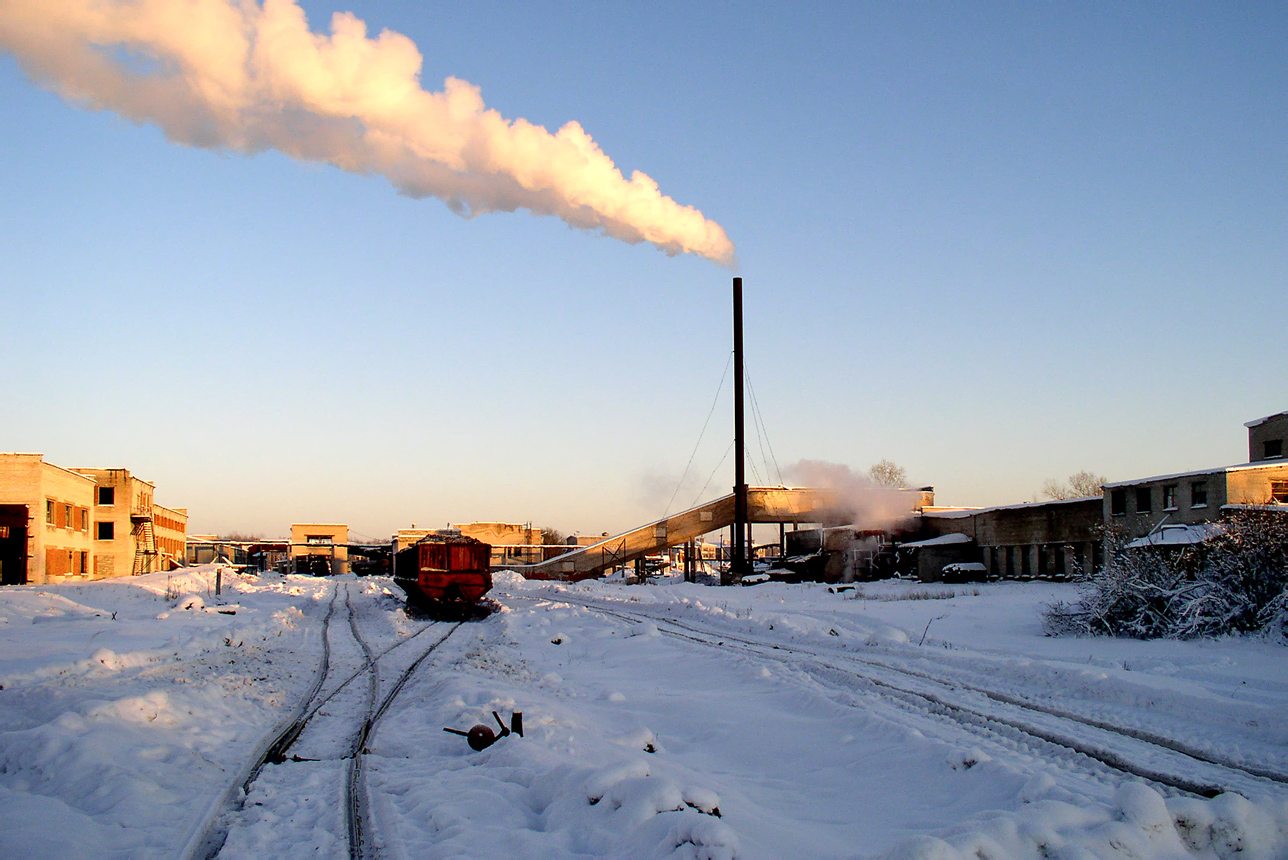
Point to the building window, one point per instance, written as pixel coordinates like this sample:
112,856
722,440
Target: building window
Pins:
1118,502
49,512
1198,494
107,495
1273,449
1279,492
319,540
84,519
104,531
4,532
68,518
1144,500
1169,497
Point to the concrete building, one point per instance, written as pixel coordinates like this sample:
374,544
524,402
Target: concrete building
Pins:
512,543
45,522
1063,538
171,526
1042,540
1137,508
320,548
1266,437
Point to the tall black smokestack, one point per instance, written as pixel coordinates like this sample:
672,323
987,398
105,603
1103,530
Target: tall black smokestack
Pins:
739,565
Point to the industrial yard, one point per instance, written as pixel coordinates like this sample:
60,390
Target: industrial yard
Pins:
897,719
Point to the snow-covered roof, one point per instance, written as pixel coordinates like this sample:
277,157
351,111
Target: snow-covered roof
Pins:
962,513
965,567
1178,535
942,540
1261,421
1263,464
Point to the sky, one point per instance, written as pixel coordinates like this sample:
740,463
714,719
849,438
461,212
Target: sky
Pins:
994,243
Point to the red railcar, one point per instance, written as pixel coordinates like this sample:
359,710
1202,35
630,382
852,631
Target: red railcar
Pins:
444,573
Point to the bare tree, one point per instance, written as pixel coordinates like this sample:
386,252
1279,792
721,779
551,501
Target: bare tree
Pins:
1079,485
888,474
1084,483
551,537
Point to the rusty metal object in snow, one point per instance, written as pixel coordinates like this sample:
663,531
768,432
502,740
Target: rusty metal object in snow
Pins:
481,737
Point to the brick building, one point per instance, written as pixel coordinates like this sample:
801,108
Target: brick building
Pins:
58,524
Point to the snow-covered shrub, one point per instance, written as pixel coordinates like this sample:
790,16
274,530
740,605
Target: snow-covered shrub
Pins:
1235,582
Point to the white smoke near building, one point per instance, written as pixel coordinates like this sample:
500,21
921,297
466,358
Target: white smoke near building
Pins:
858,501
244,76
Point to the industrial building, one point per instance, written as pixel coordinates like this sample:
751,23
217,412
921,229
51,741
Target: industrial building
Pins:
96,523
512,543
320,548
1064,538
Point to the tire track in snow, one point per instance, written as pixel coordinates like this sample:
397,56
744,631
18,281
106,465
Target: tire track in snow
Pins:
962,712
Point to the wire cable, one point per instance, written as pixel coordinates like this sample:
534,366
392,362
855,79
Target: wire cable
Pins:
710,412
759,416
713,474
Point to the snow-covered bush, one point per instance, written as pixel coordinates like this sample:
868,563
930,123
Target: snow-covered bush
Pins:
1235,582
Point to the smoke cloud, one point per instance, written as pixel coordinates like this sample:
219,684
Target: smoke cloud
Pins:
247,77
859,501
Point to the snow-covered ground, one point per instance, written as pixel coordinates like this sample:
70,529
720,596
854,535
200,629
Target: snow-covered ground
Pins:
899,720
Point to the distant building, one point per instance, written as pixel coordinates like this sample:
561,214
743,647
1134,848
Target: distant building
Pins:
1042,540
1136,508
512,543
321,549
1064,538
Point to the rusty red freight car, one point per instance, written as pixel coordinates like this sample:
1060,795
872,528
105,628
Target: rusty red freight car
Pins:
445,574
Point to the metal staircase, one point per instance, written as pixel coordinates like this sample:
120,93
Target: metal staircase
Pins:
145,544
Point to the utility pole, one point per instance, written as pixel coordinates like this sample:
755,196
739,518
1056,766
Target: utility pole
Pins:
740,564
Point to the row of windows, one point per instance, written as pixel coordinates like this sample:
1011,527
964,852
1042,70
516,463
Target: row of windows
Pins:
64,562
62,515
1145,498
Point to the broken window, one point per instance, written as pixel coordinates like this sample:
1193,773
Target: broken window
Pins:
1144,500
1118,502
1273,449
1279,492
1198,494
105,531
107,495
1169,497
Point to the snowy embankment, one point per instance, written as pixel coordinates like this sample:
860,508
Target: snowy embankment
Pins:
127,706
665,720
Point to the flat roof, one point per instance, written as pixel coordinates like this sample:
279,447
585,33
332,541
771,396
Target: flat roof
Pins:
1260,421
942,540
968,512
1241,467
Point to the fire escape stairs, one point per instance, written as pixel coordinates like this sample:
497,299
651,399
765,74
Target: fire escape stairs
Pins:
145,545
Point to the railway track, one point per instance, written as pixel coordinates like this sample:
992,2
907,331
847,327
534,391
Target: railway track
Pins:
1165,761
328,733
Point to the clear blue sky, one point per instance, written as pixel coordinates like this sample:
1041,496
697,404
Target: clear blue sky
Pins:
994,243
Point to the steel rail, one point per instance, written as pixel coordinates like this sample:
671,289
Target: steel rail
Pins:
215,832
360,828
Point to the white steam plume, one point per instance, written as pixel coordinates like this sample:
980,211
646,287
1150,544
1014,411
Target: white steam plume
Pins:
858,502
239,75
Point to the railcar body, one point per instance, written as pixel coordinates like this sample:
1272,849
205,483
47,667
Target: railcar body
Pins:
445,574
